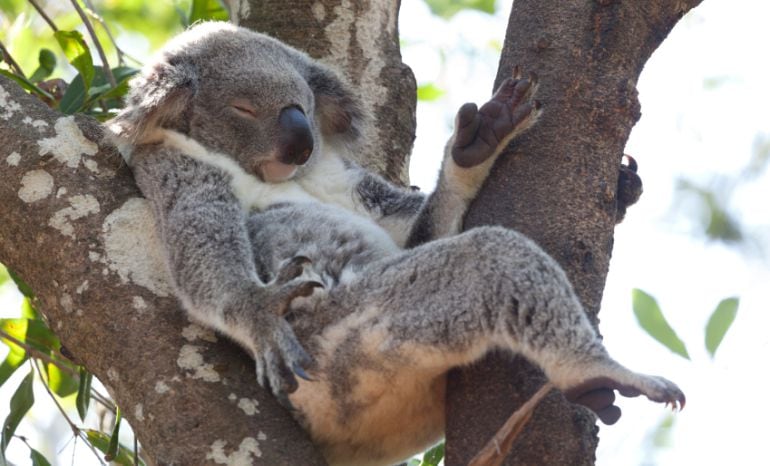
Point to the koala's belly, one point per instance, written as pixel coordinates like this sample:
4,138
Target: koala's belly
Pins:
338,242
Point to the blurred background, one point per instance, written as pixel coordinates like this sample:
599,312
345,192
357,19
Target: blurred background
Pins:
689,285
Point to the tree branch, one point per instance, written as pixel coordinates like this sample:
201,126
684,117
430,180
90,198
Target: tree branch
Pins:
557,186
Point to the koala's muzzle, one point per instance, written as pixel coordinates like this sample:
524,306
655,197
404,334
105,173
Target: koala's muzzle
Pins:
296,139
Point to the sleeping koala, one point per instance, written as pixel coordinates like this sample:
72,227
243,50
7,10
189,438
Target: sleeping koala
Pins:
366,291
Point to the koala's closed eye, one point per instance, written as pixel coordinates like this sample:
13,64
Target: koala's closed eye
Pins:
244,108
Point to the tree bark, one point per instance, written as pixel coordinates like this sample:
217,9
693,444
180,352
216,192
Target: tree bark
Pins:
557,185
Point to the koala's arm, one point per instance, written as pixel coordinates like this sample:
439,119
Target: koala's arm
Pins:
480,135
210,260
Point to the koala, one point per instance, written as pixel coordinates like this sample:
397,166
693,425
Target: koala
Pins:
353,295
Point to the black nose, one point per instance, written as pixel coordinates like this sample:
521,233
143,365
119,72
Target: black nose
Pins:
296,140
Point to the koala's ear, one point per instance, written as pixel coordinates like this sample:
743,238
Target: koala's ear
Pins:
339,110
157,99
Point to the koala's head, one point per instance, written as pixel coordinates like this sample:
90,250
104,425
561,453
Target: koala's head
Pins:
241,93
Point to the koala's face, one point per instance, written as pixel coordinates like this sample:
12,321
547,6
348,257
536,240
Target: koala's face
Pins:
261,114
242,94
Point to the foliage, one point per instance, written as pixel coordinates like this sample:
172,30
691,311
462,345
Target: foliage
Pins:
651,319
448,8
88,86
432,457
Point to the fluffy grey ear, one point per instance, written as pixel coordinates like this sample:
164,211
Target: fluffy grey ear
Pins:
338,108
157,99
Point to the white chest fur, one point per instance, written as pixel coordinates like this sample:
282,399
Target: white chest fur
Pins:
327,181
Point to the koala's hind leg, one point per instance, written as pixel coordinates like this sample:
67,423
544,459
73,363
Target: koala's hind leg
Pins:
450,301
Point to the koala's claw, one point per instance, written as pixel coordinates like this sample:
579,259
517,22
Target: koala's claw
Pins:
597,394
277,364
292,268
481,133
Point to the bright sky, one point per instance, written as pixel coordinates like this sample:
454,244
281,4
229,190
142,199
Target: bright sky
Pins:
686,130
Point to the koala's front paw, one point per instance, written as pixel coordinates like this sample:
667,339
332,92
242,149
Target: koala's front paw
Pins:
482,133
278,354
629,187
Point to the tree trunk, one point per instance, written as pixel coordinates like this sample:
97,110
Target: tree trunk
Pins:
557,185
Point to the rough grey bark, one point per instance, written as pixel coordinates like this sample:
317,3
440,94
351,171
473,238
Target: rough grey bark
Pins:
557,185
361,40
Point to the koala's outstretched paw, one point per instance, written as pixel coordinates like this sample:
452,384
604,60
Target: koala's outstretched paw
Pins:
483,132
597,394
629,187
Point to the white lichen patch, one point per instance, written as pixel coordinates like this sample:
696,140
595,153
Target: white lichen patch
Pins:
232,397
81,205
319,11
39,125
112,374
191,359
83,287
248,406
139,412
132,247
161,387
193,332
138,303
66,303
13,159
91,165
248,448
36,185
8,106
69,144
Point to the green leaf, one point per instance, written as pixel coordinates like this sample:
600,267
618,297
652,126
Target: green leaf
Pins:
101,441
79,55
448,8
433,456
37,458
651,319
83,398
719,323
26,84
28,310
112,448
15,358
4,276
60,381
23,287
21,401
429,92
74,97
46,64
204,10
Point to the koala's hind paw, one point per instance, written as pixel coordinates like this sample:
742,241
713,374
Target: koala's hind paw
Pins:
483,132
597,394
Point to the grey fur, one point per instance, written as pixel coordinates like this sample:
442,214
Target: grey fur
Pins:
405,296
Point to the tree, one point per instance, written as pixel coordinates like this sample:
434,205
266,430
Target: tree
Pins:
78,232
